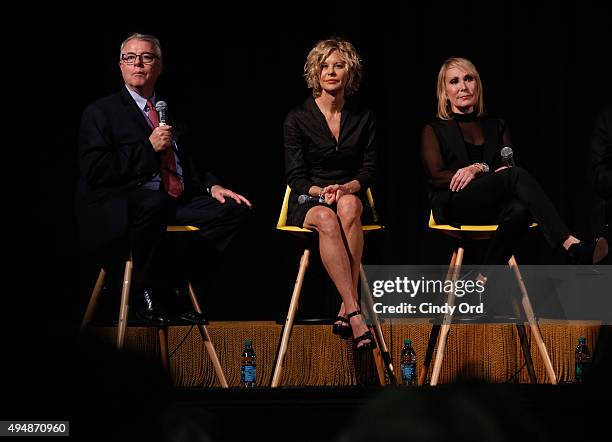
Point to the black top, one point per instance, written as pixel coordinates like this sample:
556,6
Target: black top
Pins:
475,152
448,145
312,156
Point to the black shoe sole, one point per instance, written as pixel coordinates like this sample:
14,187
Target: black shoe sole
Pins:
344,332
149,322
191,320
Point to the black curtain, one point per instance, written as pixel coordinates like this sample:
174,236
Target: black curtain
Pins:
234,73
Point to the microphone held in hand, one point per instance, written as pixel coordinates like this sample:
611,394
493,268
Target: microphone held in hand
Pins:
161,107
507,156
309,199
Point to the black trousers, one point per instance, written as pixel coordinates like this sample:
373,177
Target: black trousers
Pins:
511,198
150,211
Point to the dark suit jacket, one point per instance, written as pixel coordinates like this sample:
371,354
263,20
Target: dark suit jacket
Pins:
115,157
455,154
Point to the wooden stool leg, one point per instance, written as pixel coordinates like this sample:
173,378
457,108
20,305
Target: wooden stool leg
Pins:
382,357
210,348
435,331
288,326
535,329
163,347
93,301
125,297
445,328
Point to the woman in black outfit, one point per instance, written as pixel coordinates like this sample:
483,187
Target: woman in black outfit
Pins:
330,154
470,185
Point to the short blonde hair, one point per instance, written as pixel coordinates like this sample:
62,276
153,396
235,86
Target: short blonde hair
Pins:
319,53
444,107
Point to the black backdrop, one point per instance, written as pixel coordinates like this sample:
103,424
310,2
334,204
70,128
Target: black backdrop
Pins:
234,72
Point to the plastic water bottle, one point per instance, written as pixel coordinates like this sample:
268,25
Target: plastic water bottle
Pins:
582,360
408,364
248,365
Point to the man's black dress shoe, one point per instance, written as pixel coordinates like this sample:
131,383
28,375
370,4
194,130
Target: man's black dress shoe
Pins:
588,253
151,313
192,317
185,309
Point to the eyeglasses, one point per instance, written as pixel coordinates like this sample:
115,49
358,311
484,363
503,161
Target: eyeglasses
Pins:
145,57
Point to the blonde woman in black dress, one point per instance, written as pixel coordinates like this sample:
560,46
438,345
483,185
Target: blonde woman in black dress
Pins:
330,154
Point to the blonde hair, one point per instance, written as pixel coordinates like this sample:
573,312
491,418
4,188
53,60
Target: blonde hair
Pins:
319,53
444,107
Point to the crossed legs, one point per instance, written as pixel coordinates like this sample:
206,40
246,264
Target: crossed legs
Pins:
341,247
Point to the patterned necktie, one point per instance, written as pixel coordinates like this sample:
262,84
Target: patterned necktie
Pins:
172,182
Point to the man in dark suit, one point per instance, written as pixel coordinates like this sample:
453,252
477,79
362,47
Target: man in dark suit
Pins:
136,178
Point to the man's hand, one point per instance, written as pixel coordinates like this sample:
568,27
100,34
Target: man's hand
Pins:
219,193
161,138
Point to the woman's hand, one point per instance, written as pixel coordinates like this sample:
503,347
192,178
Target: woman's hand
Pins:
334,192
462,177
331,193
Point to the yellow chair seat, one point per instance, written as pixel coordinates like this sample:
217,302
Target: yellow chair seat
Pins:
182,229
474,231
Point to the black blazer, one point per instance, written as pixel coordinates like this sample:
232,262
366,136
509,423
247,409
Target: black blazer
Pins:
115,156
455,154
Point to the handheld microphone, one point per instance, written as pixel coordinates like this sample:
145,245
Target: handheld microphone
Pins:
309,199
507,156
161,107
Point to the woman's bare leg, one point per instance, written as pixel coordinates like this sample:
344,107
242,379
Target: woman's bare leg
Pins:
336,260
349,212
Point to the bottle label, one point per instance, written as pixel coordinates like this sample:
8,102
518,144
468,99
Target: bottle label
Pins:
408,372
248,373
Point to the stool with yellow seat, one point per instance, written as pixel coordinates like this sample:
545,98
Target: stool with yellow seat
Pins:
124,307
381,353
465,233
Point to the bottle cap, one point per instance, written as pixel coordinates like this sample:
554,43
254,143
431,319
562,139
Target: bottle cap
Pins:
248,342
407,341
582,340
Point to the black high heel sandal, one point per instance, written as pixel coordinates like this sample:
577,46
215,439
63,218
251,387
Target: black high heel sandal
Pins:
367,335
344,331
